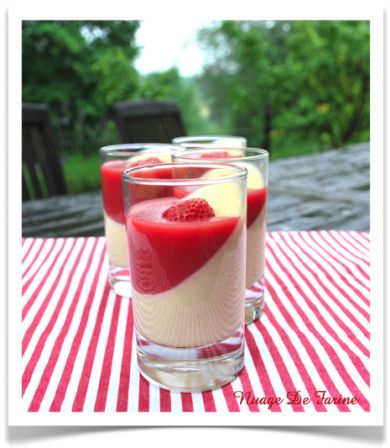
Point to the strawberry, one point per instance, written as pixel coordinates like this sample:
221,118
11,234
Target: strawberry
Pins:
149,161
189,210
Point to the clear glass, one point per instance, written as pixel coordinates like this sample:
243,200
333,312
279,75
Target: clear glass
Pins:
115,159
187,247
256,162
196,141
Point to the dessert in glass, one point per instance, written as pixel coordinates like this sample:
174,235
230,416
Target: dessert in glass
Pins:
256,162
196,141
186,236
114,160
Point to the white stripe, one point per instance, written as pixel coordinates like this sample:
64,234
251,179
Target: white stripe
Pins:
74,326
26,244
81,261
50,272
350,248
176,404
338,252
363,250
270,368
312,318
300,243
42,295
197,401
306,275
87,336
113,388
134,378
97,366
320,351
317,245
154,398
30,271
220,401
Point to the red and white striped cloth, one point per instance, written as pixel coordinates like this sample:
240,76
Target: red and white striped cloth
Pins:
78,348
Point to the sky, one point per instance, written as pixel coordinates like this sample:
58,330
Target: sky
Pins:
170,43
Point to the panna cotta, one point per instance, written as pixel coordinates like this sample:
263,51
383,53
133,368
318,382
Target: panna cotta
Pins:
113,206
187,266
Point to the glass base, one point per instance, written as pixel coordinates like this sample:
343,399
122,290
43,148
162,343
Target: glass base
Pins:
191,369
254,302
120,281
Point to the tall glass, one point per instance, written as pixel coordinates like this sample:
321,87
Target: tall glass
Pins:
256,162
187,238
114,160
196,141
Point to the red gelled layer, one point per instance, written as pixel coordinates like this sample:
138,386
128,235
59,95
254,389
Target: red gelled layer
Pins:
163,253
255,202
111,173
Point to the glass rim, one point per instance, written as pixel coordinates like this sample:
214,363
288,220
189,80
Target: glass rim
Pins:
193,139
239,172
136,148
260,154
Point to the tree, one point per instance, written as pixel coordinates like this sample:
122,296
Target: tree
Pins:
79,69
277,81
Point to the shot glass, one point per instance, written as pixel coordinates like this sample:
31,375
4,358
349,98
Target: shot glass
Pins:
114,160
186,235
256,162
196,141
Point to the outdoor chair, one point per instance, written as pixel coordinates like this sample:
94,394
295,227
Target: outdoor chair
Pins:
41,167
148,121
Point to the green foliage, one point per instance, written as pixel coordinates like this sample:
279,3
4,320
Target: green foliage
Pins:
279,82
79,68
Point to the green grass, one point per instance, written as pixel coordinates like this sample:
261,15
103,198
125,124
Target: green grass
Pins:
82,173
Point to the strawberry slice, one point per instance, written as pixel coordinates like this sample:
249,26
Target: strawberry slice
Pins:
190,210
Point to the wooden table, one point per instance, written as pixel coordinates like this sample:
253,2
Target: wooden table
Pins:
328,190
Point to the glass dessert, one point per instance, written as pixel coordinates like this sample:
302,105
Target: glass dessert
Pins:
196,141
114,160
187,238
256,162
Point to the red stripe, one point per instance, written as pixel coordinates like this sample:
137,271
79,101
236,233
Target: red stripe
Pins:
27,247
56,351
82,388
186,401
165,400
346,329
124,381
340,257
357,244
316,361
38,266
306,378
335,261
279,363
101,398
143,400
69,365
49,327
361,240
324,266
353,357
34,245
329,350
342,242
208,401
37,290
247,388
231,400
260,369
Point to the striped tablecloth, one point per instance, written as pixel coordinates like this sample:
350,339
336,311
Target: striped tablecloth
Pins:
78,348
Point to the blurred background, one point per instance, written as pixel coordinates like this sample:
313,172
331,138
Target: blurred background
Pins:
292,87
